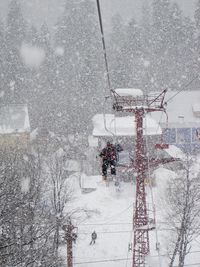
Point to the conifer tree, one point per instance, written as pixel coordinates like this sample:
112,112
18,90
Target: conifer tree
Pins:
147,48
3,50
79,69
197,15
15,35
116,52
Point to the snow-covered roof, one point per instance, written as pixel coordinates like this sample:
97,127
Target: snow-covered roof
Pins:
109,125
196,107
14,119
129,92
181,110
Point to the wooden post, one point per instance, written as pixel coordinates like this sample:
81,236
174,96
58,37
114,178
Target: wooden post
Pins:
68,236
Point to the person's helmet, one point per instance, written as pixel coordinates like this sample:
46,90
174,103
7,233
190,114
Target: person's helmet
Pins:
108,143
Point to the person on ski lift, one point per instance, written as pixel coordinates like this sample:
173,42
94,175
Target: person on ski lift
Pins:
109,157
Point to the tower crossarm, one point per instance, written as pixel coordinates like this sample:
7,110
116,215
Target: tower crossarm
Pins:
129,100
156,162
158,100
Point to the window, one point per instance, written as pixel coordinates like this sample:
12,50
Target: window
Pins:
183,135
169,135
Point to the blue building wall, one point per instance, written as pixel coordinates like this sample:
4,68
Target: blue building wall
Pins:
184,138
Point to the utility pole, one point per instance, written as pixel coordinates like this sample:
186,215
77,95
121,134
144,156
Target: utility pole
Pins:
68,228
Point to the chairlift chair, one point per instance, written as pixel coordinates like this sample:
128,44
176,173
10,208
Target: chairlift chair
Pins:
162,145
198,134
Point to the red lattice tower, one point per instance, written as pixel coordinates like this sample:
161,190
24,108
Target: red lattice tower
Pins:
137,103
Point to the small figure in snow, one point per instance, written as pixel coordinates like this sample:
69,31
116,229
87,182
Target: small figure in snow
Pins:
94,237
117,185
109,157
74,237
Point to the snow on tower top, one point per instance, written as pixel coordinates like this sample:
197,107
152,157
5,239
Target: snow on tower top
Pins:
196,109
129,92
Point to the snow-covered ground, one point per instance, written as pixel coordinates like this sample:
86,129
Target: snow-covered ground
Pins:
111,218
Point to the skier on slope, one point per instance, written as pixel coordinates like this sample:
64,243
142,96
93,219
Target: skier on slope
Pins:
109,157
94,237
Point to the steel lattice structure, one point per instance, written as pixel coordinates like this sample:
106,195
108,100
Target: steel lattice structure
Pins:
140,105
140,219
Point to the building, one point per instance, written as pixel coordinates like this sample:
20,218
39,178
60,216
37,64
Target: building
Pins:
181,127
14,126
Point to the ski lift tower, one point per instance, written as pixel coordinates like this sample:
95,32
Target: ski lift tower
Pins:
133,100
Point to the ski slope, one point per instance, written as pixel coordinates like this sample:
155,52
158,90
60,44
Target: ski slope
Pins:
111,214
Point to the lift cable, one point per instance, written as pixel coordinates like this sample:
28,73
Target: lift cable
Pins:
107,70
109,219
104,45
104,121
124,259
129,231
119,213
98,261
100,224
107,232
183,87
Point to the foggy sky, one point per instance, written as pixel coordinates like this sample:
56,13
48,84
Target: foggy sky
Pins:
39,11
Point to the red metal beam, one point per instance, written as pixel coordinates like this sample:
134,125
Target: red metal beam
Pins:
140,219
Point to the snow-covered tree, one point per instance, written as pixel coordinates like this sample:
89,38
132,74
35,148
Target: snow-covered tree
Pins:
60,192
183,214
116,51
46,95
127,57
160,43
147,52
3,52
160,18
197,15
196,43
79,68
15,34
26,228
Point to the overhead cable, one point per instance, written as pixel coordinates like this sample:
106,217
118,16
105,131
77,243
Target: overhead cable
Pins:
104,45
106,66
184,87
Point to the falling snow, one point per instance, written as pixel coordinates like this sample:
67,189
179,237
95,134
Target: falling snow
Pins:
58,89
32,56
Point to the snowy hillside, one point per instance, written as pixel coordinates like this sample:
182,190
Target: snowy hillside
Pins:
112,220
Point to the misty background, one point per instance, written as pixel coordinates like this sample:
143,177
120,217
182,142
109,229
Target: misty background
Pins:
39,11
150,45
51,61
